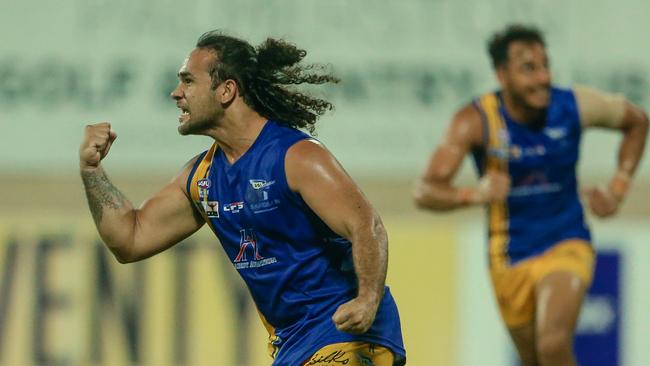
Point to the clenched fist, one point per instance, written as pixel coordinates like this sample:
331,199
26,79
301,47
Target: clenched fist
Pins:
602,201
355,316
492,187
95,145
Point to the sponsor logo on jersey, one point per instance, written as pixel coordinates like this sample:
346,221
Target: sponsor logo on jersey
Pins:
265,206
515,152
555,133
249,245
260,183
211,208
233,207
535,183
259,198
204,183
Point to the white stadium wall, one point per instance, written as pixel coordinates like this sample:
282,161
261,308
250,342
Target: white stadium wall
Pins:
406,66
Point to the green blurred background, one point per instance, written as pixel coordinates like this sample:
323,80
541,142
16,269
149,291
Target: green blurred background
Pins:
406,66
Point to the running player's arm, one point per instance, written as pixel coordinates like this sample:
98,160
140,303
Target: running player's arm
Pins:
132,233
613,111
435,189
329,191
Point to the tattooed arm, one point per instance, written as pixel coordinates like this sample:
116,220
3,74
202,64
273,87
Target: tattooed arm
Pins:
132,233
101,193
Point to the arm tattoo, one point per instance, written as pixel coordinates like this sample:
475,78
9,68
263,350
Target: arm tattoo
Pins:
101,194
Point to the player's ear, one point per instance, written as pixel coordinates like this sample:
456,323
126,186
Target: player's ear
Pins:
227,91
501,73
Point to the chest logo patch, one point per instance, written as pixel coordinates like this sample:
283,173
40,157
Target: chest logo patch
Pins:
211,208
555,133
260,183
249,252
203,184
234,207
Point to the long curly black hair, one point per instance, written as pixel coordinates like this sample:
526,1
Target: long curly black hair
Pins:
265,75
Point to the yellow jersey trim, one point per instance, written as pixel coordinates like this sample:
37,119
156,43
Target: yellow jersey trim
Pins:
497,161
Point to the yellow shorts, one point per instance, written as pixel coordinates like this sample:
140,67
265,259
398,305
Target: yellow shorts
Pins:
514,286
352,354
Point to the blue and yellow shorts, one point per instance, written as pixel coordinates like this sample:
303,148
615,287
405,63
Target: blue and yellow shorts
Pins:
514,286
352,354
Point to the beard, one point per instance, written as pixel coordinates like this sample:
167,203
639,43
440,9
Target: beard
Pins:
203,120
538,112
531,98
194,127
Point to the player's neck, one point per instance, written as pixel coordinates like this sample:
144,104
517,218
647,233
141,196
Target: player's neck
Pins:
520,112
237,132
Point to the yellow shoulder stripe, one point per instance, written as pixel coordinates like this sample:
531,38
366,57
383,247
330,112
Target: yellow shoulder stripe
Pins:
201,172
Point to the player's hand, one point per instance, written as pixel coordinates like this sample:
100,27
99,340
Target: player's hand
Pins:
602,201
421,190
96,143
492,187
355,316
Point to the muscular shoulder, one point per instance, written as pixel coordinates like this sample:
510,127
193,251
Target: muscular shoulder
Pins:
307,146
466,126
308,159
598,108
307,153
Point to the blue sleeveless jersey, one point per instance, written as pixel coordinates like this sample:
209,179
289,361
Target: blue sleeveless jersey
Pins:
297,270
543,205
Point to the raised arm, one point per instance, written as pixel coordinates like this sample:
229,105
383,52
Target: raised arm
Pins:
599,109
328,190
435,189
132,233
